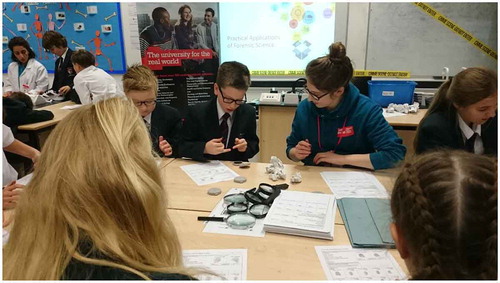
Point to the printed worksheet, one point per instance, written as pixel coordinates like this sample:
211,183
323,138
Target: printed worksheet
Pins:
302,213
226,264
25,180
346,263
221,227
209,173
354,185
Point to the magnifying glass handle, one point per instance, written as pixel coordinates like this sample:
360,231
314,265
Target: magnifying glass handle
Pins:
205,218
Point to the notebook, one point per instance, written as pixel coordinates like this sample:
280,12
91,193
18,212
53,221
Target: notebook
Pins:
302,214
367,222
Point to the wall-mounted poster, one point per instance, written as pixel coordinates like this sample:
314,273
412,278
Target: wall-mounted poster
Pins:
81,23
180,43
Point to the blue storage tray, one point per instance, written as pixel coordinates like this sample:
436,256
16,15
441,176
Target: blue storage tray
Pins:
385,92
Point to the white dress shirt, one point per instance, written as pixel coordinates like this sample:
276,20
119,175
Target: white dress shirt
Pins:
467,133
93,84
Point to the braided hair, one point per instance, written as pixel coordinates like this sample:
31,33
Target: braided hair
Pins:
445,205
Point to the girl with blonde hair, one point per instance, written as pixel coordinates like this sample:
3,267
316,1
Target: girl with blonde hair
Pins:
462,115
444,206
95,207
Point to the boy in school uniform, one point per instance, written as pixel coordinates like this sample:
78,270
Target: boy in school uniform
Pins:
92,84
64,73
163,122
223,128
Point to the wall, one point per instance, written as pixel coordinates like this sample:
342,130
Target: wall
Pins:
357,25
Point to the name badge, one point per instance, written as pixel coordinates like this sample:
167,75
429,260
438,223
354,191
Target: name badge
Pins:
345,132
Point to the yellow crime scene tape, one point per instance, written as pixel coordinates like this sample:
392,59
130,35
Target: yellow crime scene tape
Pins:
357,73
457,29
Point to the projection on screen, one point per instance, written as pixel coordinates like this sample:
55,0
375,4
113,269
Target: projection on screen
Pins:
275,39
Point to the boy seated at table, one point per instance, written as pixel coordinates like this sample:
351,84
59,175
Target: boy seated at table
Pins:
223,128
163,122
91,83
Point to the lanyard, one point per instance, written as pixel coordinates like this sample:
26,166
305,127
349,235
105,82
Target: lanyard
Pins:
319,134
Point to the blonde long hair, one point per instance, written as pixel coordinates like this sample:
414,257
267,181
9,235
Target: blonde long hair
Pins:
96,182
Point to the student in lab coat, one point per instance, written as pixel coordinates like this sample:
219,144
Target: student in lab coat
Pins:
25,73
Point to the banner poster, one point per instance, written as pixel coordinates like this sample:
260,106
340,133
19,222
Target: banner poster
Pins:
180,43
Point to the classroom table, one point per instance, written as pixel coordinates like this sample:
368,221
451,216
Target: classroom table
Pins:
275,124
272,257
183,193
275,256
35,131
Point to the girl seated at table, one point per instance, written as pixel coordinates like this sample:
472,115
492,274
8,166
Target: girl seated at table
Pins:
444,206
337,125
95,207
462,115
25,73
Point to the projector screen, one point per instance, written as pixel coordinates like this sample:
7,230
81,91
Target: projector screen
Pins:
275,39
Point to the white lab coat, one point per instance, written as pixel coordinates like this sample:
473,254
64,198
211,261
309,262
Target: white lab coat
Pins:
34,77
93,84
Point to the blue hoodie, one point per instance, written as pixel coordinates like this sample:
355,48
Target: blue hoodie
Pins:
372,134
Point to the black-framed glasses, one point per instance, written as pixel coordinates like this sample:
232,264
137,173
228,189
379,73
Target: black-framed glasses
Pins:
317,97
230,100
145,102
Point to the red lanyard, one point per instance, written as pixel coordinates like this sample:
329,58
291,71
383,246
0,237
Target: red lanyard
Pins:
319,134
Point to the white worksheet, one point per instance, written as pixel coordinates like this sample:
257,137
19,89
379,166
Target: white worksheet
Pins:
71,107
346,263
354,185
209,173
393,114
25,180
221,227
302,213
227,264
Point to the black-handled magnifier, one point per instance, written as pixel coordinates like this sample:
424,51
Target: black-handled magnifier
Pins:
240,221
256,201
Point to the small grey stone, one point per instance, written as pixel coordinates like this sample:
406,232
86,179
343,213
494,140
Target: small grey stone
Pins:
240,179
317,192
214,191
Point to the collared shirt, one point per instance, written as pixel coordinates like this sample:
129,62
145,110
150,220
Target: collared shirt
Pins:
221,113
467,133
93,84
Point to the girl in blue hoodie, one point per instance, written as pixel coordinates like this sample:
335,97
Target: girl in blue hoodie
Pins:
337,125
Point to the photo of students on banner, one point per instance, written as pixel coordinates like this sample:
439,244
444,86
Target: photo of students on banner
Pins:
180,43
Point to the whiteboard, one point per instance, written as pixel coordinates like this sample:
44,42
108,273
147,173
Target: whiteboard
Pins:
403,37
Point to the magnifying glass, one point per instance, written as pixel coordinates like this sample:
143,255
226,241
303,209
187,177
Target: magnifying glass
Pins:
240,221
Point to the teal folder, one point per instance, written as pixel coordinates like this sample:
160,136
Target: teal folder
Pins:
367,222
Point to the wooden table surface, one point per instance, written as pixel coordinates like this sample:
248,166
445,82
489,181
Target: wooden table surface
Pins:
183,193
272,257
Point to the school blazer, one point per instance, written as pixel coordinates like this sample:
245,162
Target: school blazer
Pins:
66,75
165,121
441,130
202,124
